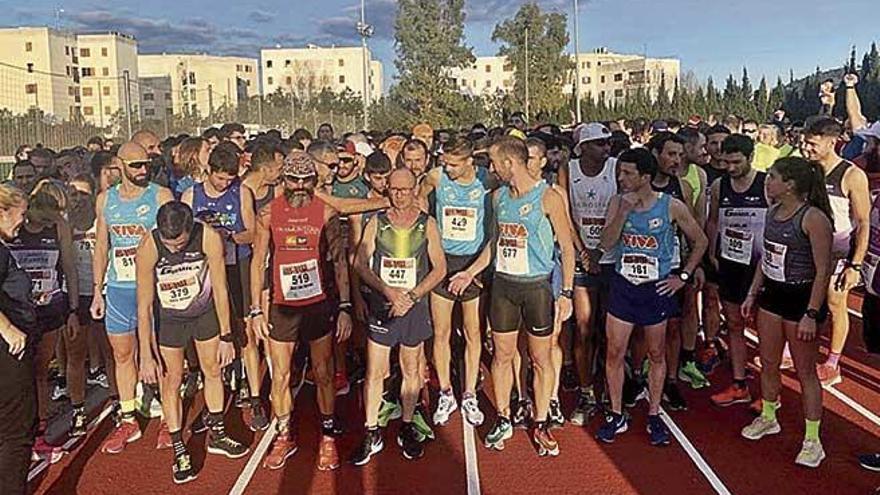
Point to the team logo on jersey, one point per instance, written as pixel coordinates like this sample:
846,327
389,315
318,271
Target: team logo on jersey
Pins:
352,190
591,194
296,241
639,241
525,210
129,230
476,194
655,223
512,230
142,210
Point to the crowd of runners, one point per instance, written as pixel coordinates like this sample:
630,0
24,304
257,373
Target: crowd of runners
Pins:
587,259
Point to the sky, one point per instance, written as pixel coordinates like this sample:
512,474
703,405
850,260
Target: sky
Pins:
710,37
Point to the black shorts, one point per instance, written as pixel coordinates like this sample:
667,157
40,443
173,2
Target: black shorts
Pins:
513,302
409,330
177,333
301,323
737,281
455,264
640,304
710,271
238,279
84,311
790,301
600,281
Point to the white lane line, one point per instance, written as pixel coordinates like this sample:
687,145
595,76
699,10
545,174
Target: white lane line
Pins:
855,313
470,456
39,468
251,467
842,397
694,454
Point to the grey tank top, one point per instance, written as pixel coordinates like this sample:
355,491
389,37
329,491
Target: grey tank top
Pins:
788,255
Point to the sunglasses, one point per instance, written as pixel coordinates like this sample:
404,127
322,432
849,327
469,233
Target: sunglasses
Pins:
137,164
330,165
297,178
749,131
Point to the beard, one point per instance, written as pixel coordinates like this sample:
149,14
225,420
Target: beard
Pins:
143,181
297,197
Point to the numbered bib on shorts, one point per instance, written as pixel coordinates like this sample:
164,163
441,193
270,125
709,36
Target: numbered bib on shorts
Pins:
178,289
459,224
300,281
736,246
512,256
869,273
123,263
640,268
773,263
399,273
591,231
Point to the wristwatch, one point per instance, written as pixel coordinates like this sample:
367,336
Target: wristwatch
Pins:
685,277
345,307
567,293
226,337
812,314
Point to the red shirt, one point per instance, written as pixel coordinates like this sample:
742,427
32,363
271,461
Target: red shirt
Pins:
298,272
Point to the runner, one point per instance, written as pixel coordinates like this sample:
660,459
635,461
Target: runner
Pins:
528,216
180,270
462,211
735,230
847,187
125,213
348,181
789,294
306,305
401,259
590,182
643,227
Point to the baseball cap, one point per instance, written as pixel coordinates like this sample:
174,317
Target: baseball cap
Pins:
591,132
659,126
299,164
347,147
871,131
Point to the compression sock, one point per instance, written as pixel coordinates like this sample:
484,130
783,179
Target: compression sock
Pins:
768,410
126,409
812,430
687,356
177,442
833,359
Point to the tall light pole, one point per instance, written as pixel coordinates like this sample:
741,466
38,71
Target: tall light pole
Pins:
528,116
366,31
577,65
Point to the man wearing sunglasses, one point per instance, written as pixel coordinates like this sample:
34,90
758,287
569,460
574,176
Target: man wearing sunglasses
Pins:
347,181
234,133
125,213
309,300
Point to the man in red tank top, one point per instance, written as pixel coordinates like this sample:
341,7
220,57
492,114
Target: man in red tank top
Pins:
309,299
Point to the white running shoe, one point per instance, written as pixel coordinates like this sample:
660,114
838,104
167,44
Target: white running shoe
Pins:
445,407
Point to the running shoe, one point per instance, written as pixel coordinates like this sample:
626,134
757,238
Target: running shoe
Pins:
198,425
388,412
470,409
423,429
672,397
408,441
191,384
522,414
43,451
757,406
811,454
78,423
220,443
586,406
371,445
614,425
126,432
761,427
283,447
328,456
255,417
569,378
502,430
634,390
182,469
554,416
708,359
689,373
97,377
828,375
732,395
544,441
871,462
446,405
163,439
243,395
59,391
340,381
657,431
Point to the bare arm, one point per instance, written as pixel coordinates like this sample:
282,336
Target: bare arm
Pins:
365,254
246,236
68,263
350,206
429,184
335,242
856,182
187,197
437,258
818,229
102,245
682,216
853,104
213,247
614,227
702,198
145,263
557,212
262,235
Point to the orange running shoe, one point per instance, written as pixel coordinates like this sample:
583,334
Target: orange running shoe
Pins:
125,433
283,447
163,440
328,457
732,395
828,375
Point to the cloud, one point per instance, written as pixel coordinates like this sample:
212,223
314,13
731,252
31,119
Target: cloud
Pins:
260,16
493,11
379,13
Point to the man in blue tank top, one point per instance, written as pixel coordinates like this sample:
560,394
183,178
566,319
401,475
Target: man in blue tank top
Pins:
125,213
642,228
528,214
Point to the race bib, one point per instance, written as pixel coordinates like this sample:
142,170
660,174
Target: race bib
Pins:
398,272
591,231
736,246
123,263
512,256
459,224
178,289
640,268
773,263
869,273
300,281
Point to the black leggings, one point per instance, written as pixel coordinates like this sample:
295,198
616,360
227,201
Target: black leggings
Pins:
18,419
513,302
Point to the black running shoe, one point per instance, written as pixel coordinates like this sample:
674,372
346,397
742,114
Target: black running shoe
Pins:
78,423
522,414
371,445
220,443
407,440
182,468
555,416
634,390
673,398
259,418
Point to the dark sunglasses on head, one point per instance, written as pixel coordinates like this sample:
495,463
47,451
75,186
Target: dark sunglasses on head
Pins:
138,164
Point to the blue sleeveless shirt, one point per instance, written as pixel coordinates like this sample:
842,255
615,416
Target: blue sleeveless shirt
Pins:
127,222
223,212
524,248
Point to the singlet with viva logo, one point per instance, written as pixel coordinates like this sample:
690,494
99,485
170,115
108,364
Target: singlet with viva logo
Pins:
647,244
524,249
589,198
183,287
401,255
741,221
127,222
39,254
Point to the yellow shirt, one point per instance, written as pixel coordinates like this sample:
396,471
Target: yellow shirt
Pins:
765,156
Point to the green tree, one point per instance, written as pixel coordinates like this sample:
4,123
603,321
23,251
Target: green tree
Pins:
549,67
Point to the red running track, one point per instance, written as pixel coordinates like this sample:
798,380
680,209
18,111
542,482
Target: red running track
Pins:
630,465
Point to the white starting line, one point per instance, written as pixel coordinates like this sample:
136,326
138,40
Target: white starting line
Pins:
470,456
694,454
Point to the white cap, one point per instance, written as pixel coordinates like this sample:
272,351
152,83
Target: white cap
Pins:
872,131
590,132
363,149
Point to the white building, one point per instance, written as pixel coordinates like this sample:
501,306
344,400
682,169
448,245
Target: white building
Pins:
107,62
308,71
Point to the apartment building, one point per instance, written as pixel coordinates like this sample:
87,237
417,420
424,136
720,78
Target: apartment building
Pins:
39,68
307,71
156,97
107,62
201,83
